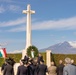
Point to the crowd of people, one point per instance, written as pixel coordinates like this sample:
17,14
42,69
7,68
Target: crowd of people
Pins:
31,66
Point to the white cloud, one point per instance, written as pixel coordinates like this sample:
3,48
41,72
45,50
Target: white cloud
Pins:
18,29
9,7
14,8
8,1
12,1
2,9
16,51
13,22
73,44
69,23
61,24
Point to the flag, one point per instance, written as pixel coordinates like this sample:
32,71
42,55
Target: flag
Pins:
3,52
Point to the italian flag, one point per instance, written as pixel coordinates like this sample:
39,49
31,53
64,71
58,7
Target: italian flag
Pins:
3,52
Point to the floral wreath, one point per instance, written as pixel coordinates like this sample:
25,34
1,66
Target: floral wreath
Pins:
30,48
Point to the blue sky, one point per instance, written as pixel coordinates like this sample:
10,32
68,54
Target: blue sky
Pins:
53,22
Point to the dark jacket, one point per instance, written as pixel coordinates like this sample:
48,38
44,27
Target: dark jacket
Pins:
60,69
32,69
42,69
40,58
3,65
22,70
35,69
8,70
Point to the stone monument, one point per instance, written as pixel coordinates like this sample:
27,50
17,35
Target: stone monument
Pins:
48,58
28,29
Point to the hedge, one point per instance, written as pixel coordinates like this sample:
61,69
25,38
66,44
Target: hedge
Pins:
55,57
16,57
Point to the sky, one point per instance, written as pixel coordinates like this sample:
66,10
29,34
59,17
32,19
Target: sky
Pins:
53,22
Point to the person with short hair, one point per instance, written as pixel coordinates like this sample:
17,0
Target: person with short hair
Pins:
42,68
8,69
72,62
40,58
52,69
60,68
69,69
22,69
26,58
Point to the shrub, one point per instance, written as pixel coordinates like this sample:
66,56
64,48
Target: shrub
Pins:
54,57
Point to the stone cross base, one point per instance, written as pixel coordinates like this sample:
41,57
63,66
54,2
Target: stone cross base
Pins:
23,53
15,68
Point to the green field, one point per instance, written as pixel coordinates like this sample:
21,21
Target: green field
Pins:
54,57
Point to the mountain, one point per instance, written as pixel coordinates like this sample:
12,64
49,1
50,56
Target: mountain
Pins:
62,48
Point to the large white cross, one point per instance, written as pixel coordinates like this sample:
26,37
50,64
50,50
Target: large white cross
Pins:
28,28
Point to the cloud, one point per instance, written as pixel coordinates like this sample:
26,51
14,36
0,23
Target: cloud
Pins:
61,24
18,29
2,9
10,7
8,1
16,51
14,8
12,1
13,22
